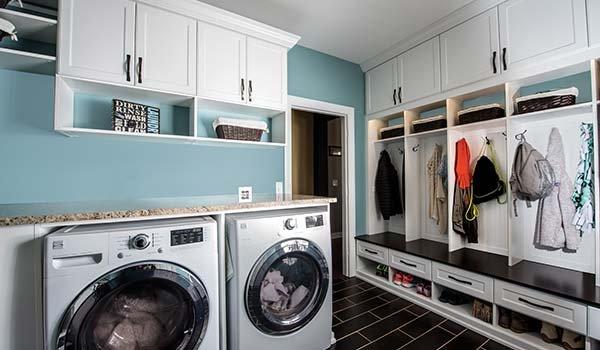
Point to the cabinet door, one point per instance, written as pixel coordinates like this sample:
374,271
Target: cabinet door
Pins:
267,74
382,87
96,39
594,21
419,71
535,29
221,64
468,51
165,50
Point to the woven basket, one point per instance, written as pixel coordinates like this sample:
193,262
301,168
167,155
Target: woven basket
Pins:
433,124
547,100
231,132
480,115
392,131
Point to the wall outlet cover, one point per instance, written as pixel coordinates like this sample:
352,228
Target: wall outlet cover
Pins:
245,194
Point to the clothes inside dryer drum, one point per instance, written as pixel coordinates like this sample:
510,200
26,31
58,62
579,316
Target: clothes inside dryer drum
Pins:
142,316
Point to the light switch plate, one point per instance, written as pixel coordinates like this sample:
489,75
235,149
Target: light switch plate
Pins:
245,194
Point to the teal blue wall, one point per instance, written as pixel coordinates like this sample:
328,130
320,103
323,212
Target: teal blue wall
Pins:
318,76
40,165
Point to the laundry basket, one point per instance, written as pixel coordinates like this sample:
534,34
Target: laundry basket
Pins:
547,100
428,124
392,131
240,129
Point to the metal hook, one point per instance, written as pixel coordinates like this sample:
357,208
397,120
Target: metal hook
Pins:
487,140
401,150
416,148
520,136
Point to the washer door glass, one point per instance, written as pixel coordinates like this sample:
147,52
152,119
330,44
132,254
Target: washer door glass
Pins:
148,306
287,287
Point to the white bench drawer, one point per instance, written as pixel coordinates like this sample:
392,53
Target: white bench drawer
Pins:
470,283
372,252
594,323
545,307
410,264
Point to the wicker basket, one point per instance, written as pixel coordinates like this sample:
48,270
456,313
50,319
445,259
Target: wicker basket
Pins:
392,131
480,113
428,124
241,130
547,100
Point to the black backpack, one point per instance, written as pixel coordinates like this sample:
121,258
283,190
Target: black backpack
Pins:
487,182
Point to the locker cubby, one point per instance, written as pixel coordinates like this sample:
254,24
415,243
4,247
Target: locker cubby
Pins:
419,224
493,216
495,94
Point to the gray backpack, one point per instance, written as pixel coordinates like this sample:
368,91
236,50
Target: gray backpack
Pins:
532,175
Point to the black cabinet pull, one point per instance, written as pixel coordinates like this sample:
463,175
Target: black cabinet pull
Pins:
504,58
128,67
371,251
494,61
543,307
243,88
400,95
139,70
394,96
408,264
250,90
460,281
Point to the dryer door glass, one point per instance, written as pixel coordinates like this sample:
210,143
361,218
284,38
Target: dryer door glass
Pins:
287,287
148,306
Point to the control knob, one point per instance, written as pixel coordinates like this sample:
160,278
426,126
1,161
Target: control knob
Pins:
290,224
140,242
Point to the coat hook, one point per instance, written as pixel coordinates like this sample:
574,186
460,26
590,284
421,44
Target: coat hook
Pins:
401,150
520,136
487,140
416,148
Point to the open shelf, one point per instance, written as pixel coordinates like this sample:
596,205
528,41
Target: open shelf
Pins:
580,108
26,61
430,133
389,140
31,27
486,124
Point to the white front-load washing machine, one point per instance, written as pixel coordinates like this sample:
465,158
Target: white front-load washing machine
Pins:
145,285
279,292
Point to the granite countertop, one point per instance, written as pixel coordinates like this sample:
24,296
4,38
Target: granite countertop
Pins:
47,213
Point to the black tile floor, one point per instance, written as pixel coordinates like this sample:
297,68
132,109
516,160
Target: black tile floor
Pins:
368,318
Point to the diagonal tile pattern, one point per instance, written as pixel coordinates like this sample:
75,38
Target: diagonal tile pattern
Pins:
368,318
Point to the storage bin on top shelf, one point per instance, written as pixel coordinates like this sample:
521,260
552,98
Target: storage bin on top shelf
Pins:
481,113
239,129
429,124
391,131
547,100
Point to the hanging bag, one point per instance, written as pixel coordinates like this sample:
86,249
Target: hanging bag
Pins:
532,175
487,180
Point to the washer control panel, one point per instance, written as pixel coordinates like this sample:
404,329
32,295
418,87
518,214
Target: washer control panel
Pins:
139,242
187,236
314,221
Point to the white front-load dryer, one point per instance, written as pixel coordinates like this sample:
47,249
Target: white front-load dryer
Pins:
279,292
145,285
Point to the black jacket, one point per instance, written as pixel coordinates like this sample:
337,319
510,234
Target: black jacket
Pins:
387,187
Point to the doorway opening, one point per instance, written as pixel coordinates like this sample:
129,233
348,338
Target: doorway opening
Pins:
317,169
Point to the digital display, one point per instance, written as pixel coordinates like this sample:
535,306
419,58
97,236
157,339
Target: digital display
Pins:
187,236
314,221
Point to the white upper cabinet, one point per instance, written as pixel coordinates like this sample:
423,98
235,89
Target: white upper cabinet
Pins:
267,74
470,51
221,64
382,87
96,40
537,29
165,50
419,71
594,21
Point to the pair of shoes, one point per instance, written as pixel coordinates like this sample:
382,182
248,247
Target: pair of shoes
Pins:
520,323
382,270
405,280
424,289
569,340
398,276
482,310
454,298
517,322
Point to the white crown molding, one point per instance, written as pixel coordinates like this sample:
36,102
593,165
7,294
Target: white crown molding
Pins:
455,18
214,15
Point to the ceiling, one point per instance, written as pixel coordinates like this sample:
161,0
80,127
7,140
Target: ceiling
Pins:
354,30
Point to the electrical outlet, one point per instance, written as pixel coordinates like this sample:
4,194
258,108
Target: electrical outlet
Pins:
245,194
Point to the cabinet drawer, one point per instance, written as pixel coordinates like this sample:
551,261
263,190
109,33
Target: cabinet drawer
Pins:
372,252
410,264
545,307
594,323
470,283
